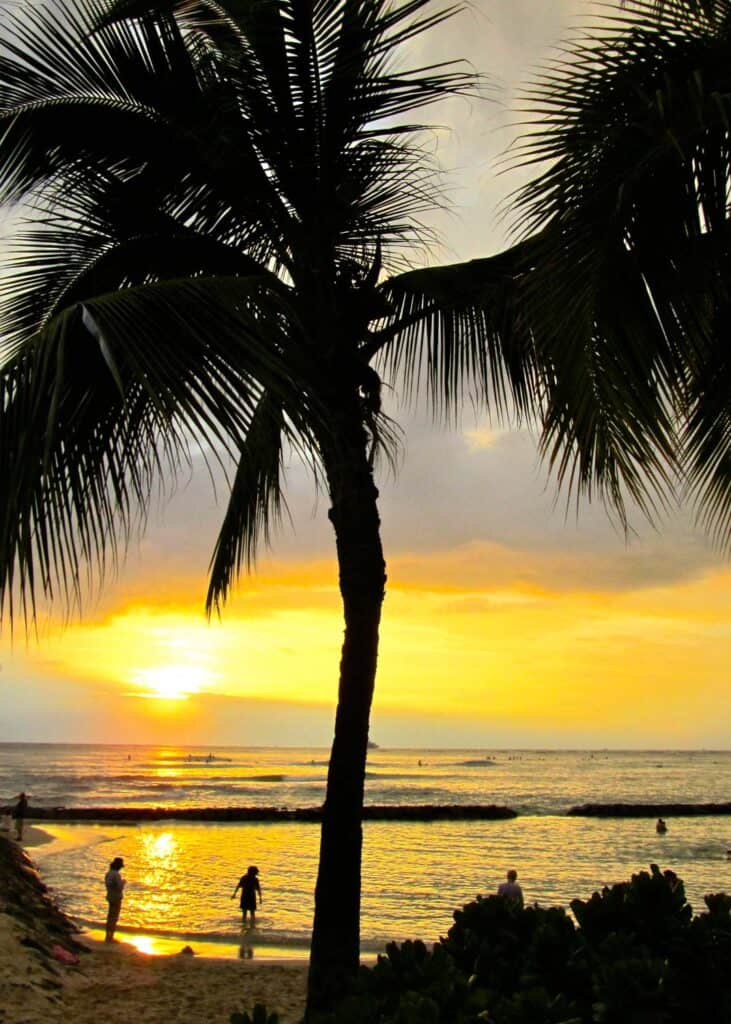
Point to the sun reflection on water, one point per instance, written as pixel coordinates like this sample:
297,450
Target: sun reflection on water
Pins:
160,847
144,944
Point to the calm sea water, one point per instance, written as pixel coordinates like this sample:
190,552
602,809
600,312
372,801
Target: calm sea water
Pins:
181,876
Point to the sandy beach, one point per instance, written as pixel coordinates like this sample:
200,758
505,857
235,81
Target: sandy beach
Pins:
116,984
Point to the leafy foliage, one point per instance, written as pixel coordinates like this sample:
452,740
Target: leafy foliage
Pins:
205,197
258,1015
634,952
629,290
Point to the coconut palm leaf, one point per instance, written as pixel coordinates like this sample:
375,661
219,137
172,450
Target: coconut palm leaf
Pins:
255,502
459,330
102,402
633,204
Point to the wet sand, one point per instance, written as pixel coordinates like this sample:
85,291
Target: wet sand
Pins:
115,983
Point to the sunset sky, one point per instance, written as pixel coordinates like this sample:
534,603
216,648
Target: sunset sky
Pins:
507,621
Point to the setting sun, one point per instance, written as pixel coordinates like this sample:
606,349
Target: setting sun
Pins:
171,682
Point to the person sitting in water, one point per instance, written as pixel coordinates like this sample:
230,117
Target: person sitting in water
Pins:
510,889
249,885
661,827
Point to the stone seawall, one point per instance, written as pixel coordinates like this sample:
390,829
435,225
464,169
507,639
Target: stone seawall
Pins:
647,810
423,812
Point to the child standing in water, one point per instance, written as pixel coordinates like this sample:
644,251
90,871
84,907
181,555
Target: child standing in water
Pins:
249,885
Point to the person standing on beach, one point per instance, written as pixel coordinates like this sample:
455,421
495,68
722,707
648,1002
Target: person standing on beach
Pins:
249,885
19,812
115,889
510,889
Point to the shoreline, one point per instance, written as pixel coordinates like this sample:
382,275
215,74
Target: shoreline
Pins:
117,982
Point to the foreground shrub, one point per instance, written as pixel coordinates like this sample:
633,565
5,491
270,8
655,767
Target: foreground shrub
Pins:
636,955
258,1015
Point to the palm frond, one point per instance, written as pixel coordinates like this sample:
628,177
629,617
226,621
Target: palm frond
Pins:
460,331
633,143
255,501
100,401
316,86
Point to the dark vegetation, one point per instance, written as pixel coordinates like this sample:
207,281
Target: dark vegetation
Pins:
633,954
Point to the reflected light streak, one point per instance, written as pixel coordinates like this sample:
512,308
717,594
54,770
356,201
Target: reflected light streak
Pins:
162,847
144,944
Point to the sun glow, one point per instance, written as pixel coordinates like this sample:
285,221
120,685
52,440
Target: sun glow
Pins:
171,682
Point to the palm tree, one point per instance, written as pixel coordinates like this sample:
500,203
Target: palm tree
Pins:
207,199
215,203
629,215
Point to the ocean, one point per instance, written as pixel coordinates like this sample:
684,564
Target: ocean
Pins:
180,876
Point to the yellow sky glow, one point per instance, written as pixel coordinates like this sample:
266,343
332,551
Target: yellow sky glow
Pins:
517,652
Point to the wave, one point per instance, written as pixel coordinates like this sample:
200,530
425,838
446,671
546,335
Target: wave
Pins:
396,775
258,937
140,781
264,936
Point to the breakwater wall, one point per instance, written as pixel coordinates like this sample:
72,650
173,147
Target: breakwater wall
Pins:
647,810
423,812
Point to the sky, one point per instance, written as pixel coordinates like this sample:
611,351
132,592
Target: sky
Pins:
511,619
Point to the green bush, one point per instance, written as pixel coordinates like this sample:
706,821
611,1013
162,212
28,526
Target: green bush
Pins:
637,956
258,1015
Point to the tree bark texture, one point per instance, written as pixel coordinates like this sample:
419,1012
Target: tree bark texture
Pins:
335,953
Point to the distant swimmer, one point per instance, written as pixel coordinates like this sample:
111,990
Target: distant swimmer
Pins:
660,826
510,888
249,885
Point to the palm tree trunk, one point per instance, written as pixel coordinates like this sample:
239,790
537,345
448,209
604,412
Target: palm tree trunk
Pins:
335,950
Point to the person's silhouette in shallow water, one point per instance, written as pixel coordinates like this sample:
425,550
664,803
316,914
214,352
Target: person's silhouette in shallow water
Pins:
249,885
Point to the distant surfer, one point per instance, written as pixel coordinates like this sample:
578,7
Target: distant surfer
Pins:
660,827
249,885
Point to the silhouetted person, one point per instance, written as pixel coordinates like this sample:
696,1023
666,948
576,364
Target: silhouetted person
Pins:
249,885
115,890
661,828
19,812
510,889
671,878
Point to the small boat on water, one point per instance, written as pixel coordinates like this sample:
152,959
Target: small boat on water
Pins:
372,745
